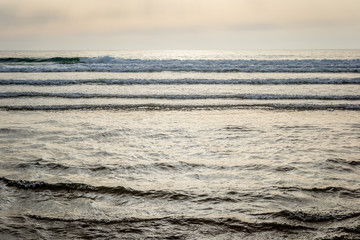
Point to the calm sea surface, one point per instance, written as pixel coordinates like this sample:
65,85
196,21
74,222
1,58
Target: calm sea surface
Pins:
180,144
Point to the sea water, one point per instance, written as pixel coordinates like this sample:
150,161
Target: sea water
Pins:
180,144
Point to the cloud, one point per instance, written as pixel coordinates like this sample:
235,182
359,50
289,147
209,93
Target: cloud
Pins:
23,19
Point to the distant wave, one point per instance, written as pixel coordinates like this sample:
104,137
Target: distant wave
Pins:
175,96
61,60
185,81
111,64
169,107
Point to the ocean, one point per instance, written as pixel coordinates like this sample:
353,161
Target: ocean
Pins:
251,144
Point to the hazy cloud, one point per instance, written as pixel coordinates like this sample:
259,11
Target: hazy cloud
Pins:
23,19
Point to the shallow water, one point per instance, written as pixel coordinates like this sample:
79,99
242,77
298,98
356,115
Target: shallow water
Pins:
194,160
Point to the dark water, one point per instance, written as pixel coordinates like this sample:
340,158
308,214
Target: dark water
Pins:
98,145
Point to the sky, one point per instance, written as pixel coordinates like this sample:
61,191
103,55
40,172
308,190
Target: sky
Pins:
179,24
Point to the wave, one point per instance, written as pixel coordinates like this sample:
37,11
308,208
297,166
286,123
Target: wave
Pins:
124,191
52,166
61,60
227,224
41,163
339,191
153,167
187,81
166,107
118,190
111,64
315,216
162,166
350,229
170,195
174,96
343,161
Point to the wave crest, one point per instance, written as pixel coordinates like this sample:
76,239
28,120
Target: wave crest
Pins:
232,224
316,216
170,107
175,96
112,64
118,190
185,81
60,60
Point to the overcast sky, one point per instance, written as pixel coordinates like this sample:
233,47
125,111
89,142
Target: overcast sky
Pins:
178,24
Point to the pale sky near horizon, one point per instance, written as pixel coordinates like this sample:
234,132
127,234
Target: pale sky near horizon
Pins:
178,24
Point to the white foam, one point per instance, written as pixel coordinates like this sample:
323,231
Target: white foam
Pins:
179,97
186,81
111,64
162,107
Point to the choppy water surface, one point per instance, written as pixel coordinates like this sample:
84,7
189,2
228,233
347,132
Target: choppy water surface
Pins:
120,150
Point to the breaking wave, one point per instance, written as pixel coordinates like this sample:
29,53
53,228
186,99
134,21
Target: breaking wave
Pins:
167,96
111,64
60,60
164,107
186,81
